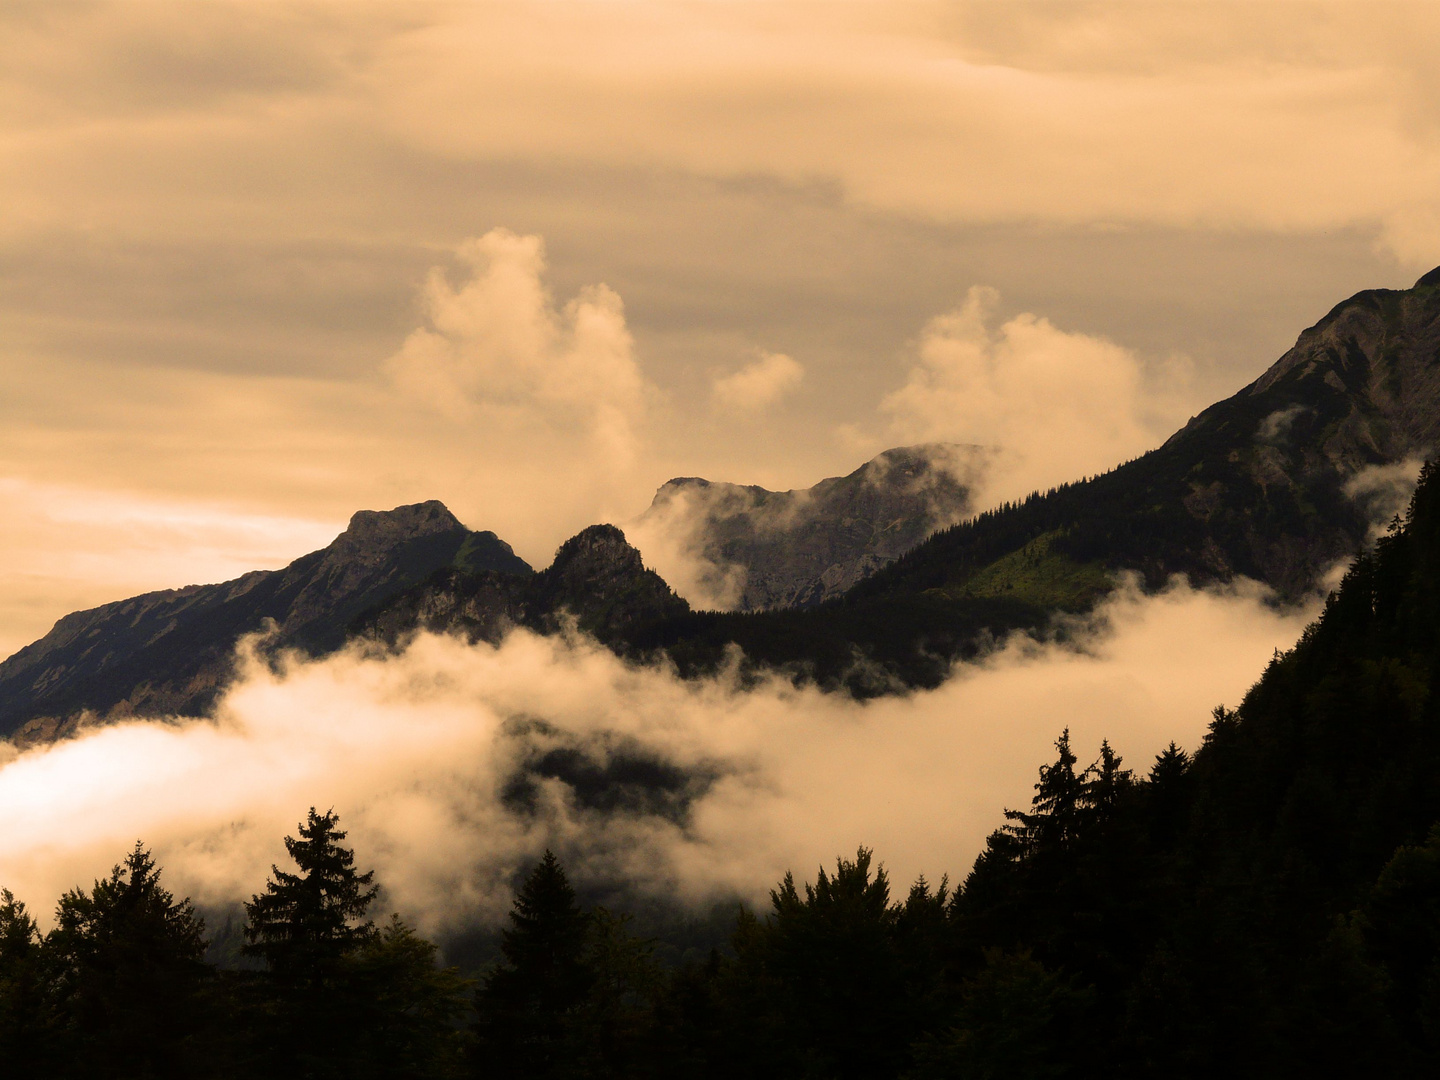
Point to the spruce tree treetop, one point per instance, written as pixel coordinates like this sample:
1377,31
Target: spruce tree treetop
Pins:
306,921
547,932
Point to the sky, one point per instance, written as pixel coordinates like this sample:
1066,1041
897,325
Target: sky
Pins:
266,264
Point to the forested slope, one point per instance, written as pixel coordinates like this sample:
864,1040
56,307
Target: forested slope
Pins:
1277,483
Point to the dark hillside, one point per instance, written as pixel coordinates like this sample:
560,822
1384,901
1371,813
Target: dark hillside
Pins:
597,579
171,652
1269,909
1277,483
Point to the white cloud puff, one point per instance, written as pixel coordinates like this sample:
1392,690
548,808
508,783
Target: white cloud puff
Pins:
498,342
759,385
1056,405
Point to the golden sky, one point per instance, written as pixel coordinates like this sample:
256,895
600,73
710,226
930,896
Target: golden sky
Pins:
265,264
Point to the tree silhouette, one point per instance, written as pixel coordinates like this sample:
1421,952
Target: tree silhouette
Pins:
127,969
303,923
529,1005
21,1005
312,1016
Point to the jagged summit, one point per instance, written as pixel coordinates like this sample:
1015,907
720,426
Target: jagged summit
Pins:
1280,483
371,533
596,546
597,578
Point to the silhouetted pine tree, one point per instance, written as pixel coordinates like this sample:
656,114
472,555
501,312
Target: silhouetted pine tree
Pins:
407,1007
303,923
311,1019
528,1007
23,1018
127,974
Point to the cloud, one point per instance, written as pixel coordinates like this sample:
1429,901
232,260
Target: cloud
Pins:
760,384
673,535
960,113
1384,491
1055,405
1275,428
454,765
498,342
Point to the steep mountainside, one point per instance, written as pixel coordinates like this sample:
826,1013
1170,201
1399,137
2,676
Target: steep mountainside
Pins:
777,549
597,578
168,652
1268,908
1279,483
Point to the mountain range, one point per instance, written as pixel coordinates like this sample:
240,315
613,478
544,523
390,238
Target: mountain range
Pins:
847,583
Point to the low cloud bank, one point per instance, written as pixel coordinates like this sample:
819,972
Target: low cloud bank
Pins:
454,765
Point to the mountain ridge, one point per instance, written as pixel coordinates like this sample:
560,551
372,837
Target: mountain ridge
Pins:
1279,482
171,651
597,579
1266,484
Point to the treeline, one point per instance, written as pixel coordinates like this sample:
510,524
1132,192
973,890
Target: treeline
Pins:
1269,907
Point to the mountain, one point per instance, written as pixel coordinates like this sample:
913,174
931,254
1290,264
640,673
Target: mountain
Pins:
1269,906
761,549
597,579
1280,483
171,651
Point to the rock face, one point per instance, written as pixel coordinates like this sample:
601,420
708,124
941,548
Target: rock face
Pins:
1325,444
760,549
1278,482
597,579
171,652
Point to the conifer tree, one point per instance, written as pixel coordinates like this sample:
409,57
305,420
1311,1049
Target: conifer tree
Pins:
835,952
21,1009
406,1006
1056,809
127,963
529,1005
1104,783
302,924
313,1018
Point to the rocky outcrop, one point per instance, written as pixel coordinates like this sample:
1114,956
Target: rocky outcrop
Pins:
758,549
1293,472
172,651
597,580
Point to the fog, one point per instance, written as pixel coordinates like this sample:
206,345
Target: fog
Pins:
444,762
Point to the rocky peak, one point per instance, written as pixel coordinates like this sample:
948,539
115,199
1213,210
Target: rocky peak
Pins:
1368,375
172,652
372,534
599,549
